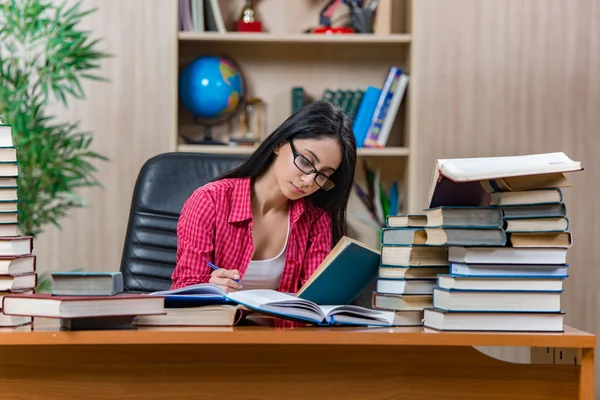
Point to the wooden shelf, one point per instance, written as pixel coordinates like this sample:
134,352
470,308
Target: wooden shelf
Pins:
364,152
251,37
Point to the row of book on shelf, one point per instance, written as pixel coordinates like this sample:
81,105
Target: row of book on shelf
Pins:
201,16
488,253
373,110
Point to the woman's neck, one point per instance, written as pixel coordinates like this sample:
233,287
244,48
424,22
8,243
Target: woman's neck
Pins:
266,196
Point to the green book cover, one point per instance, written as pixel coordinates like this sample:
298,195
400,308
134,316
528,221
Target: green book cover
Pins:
327,95
297,98
344,274
338,97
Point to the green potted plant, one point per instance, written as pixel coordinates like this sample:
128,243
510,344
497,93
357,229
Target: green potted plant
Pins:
43,58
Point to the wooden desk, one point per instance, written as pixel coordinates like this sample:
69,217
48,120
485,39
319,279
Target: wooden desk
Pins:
268,363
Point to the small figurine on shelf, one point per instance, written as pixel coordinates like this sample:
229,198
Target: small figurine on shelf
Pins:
248,21
251,123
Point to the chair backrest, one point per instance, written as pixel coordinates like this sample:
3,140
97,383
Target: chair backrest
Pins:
163,185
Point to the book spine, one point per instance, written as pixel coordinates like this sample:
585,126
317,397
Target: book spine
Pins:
297,98
327,95
383,103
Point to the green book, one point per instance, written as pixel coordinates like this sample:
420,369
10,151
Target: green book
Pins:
343,275
327,95
338,97
298,98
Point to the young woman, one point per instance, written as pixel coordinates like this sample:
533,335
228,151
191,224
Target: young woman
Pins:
270,222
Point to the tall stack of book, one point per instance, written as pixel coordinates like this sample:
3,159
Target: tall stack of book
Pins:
408,269
17,263
516,285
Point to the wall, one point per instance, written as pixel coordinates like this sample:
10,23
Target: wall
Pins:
516,77
131,118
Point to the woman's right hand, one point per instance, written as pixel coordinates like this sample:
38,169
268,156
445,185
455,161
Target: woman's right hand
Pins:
225,278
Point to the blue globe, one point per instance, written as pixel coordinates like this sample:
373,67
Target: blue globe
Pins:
211,87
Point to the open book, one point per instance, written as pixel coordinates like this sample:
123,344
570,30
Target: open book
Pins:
272,302
290,307
467,181
343,275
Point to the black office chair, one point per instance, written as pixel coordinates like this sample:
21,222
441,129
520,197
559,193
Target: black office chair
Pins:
163,184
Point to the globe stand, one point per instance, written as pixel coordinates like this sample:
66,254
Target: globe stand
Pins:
208,139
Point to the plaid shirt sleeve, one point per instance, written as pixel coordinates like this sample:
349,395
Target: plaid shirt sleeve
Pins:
318,247
195,240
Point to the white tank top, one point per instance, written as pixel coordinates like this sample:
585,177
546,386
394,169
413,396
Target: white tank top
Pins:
266,274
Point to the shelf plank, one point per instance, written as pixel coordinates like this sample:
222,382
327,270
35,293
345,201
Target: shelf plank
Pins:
365,152
256,37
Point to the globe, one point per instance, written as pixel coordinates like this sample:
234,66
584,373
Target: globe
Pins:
211,88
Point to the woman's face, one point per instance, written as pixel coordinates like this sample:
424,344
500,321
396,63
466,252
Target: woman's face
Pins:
324,155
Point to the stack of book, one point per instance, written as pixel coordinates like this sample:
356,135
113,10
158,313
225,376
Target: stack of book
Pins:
85,300
408,269
513,281
17,263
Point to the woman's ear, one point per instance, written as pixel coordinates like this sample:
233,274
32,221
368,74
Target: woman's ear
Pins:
278,148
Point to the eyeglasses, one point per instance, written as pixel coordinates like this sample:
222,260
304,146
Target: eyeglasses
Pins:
304,165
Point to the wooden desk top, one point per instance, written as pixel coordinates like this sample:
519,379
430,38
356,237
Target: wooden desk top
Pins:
47,332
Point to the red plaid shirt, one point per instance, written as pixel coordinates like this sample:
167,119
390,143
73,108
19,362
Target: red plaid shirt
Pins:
216,225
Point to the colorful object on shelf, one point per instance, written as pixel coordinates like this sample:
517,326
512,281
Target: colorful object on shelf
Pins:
333,30
361,17
248,21
212,88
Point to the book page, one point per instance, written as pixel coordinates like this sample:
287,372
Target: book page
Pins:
278,303
358,315
260,297
469,169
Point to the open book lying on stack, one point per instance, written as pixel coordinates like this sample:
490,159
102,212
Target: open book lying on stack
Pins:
286,306
469,181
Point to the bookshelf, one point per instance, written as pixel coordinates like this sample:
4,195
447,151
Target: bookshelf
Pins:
282,57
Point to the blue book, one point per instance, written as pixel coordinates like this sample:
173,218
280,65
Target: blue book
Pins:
344,274
198,295
86,283
364,115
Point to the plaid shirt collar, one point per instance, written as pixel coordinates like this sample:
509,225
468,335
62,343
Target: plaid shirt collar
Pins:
241,198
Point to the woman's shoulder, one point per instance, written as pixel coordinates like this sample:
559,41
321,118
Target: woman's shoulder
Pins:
221,186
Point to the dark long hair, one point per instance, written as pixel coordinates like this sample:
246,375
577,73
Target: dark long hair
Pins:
316,120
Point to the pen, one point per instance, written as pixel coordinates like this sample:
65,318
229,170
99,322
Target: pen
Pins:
213,266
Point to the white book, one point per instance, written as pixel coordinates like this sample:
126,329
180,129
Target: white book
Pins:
390,117
494,321
504,301
5,135
449,172
507,255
